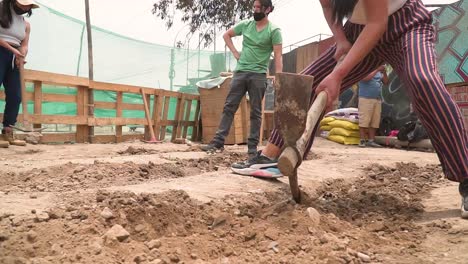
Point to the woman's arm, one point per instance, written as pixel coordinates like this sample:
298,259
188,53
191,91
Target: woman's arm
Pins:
278,52
10,48
228,40
377,18
342,43
25,43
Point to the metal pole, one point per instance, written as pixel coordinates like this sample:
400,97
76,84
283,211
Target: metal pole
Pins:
188,51
81,51
171,70
214,29
199,51
91,70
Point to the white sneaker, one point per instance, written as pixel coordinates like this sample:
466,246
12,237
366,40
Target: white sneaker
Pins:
372,144
464,204
362,143
464,208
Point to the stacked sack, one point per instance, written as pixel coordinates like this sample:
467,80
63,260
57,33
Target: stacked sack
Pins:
341,126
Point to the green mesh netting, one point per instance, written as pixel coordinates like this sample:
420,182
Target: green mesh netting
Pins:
58,44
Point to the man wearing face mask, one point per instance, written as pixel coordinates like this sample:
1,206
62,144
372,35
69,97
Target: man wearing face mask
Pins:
260,39
14,41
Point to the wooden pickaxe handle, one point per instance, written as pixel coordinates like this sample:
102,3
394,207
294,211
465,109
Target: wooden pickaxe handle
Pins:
313,115
291,157
148,115
24,102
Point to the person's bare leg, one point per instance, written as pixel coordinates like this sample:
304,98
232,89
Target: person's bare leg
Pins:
271,151
372,132
363,131
371,142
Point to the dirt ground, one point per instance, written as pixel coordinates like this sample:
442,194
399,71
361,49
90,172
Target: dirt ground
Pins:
167,203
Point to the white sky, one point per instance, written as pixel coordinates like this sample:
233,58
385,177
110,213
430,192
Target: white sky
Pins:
298,19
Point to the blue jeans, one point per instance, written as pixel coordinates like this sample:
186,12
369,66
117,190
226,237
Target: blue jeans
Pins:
10,78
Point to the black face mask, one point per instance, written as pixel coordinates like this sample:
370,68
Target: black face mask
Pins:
19,11
258,16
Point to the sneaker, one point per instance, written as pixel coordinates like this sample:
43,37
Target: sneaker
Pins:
253,164
8,135
269,173
252,151
212,148
463,188
372,144
362,143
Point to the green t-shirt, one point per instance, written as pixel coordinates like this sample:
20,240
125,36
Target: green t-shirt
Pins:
256,46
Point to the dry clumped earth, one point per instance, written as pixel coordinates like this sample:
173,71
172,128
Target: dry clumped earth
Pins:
69,177
372,219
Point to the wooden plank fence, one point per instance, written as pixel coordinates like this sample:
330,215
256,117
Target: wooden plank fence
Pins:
186,103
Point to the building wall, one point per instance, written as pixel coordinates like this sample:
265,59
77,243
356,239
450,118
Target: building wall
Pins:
460,95
451,42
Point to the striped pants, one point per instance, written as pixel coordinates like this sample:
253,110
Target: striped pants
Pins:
408,46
